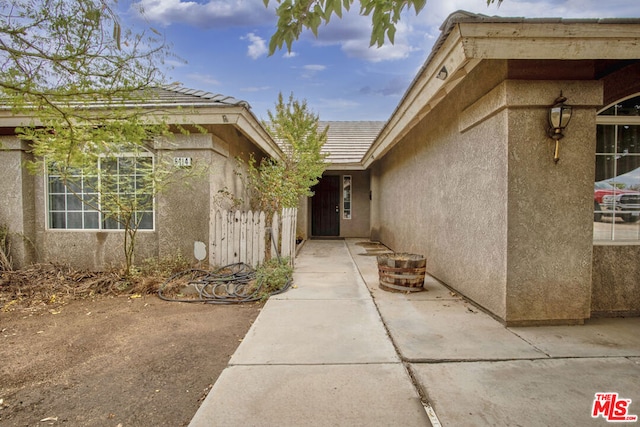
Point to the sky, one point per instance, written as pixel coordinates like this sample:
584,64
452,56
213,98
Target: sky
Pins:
222,47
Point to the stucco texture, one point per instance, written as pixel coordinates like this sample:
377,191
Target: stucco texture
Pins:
475,189
358,225
16,209
616,284
443,194
182,212
550,218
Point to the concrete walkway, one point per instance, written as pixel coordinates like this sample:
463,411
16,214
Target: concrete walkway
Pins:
338,351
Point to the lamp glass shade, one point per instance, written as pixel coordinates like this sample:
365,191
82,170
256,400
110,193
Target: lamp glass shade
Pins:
559,116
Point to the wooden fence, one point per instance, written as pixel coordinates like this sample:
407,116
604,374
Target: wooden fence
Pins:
238,236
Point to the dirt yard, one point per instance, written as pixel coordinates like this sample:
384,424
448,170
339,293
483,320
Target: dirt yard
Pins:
127,360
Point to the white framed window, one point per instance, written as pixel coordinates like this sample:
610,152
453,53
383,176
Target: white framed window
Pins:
84,200
617,181
346,196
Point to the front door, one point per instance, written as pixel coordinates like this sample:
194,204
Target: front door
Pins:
325,207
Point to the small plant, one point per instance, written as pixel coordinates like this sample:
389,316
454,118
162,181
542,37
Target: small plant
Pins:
272,276
5,249
164,267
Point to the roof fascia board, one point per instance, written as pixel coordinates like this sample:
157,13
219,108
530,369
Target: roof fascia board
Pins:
550,40
468,43
237,116
549,29
242,118
424,94
249,125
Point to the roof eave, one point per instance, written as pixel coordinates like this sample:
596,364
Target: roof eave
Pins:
238,115
468,40
188,114
352,166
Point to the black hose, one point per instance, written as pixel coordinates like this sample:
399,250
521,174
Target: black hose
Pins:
231,284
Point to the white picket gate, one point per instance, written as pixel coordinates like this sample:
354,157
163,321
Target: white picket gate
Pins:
238,236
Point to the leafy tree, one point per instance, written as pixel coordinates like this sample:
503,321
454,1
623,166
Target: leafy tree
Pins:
296,15
84,81
276,184
58,55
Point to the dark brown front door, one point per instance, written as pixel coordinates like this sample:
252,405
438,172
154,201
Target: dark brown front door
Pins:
325,207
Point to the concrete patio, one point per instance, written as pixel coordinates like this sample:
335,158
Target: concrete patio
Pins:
337,350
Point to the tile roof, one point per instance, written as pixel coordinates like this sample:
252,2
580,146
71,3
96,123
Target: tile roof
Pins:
169,96
181,96
347,141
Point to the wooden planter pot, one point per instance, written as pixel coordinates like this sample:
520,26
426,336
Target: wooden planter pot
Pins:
402,272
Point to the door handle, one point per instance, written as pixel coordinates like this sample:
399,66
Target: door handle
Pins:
337,209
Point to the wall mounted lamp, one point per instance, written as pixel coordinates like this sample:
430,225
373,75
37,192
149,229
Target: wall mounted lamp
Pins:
559,117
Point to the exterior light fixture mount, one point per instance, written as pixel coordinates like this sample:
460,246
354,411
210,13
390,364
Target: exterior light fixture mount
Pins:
443,73
559,117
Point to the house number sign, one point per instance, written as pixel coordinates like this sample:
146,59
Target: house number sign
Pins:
182,162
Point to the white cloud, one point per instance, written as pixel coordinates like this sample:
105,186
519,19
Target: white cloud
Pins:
288,55
257,46
339,103
206,79
353,34
255,88
315,67
310,70
211,14
388,52
334,108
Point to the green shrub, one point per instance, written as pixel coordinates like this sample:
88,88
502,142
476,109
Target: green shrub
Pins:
272,276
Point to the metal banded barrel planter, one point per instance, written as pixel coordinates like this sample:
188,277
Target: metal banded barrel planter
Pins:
401,272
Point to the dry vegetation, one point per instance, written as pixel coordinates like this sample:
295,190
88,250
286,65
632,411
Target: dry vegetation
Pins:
51,285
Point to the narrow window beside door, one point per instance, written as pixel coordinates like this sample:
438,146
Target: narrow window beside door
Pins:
346,196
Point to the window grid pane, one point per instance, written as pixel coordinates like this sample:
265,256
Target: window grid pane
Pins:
77,204
617,182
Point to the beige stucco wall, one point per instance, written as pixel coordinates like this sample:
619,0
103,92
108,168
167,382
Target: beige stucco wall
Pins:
550,216
474,188
182,211
616,271
443,194
16,207
616,280
359,224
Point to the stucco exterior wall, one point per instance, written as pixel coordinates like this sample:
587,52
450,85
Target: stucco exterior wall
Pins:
443,193
550,214
182,210
17,208
616,271
182,213
616,284
358,225
474,188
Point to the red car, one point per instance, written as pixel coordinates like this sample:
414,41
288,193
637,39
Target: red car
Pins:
612,201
